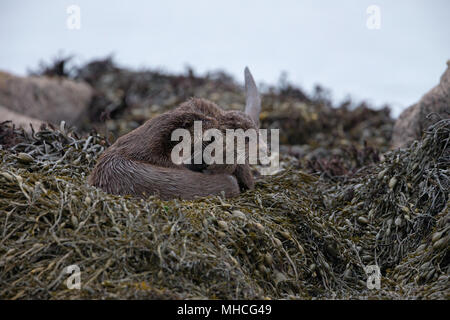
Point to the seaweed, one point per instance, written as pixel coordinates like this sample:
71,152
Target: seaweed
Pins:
296,236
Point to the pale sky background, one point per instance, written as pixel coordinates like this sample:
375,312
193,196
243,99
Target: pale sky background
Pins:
322,41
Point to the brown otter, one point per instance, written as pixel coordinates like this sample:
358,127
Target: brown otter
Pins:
139,162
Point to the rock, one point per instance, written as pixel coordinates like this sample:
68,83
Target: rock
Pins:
44,98
413,121
19,120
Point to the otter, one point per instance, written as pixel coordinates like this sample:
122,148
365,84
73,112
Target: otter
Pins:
139,163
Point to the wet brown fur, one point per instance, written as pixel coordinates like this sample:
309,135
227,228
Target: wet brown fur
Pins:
139,162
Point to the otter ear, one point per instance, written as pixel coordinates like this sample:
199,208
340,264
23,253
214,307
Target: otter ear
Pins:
253,100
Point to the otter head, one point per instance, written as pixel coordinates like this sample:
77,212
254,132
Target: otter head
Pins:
234,119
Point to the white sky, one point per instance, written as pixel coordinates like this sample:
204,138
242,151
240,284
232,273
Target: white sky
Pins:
322,41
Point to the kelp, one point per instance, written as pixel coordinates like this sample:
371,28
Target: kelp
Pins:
296,236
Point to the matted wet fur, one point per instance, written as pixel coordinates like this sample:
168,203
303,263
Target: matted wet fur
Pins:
139,163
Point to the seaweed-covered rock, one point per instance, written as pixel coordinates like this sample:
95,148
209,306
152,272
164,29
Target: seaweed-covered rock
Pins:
434,105
295,236
338,204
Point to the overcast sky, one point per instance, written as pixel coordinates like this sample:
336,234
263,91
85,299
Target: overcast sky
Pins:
322,41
